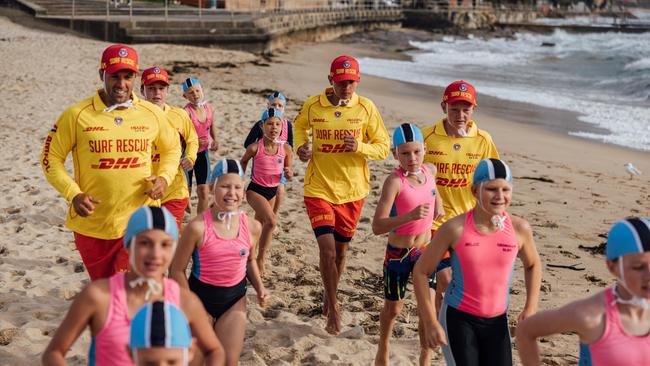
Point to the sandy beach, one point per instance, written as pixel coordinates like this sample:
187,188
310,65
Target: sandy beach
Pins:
570,189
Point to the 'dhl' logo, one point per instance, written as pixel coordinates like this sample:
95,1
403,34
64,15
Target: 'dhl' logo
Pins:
94,128
437,153
454,183
120,163
329,148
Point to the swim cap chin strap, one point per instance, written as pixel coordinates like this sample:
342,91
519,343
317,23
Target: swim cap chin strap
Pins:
275,140
226,216
635,300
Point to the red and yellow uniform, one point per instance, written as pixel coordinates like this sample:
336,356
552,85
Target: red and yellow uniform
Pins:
177,195
111,154
455,160
334,174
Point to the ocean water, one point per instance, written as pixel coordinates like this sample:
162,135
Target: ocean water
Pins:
603,77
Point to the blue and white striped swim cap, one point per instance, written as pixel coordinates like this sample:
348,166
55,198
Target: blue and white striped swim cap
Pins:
490,169
226,166
628,236
147,218
407,132
276,95
190,82
271,112
160,324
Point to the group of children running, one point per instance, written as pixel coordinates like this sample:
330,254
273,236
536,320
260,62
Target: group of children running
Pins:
143,317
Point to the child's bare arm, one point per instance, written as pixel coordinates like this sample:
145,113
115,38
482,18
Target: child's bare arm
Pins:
252,271
288,161
214,146
439,210
251,150
191,238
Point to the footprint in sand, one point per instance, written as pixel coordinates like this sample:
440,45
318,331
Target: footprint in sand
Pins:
7,336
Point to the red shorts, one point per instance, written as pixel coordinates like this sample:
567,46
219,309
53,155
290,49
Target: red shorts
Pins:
177,208
102,258
329,218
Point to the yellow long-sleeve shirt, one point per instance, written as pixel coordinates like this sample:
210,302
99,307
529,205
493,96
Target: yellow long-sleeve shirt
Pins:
455,160
333,174
111,153
181,121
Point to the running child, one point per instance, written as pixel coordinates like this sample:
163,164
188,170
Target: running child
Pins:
473,326
406,208
107,306
278,101
455,140
154,86
613,325
220,243
271,163
202,116
160,335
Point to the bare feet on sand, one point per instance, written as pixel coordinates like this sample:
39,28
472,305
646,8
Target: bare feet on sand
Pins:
333,321
381,359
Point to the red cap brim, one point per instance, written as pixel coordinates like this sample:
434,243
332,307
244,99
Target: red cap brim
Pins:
460,99
153,81
343,77
119,67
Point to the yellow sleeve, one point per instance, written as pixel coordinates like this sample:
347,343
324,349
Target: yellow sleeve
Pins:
58,144
190,137
378,144
301,125
491,151
169,148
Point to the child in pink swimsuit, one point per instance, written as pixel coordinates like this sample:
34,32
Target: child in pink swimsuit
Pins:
107,306
406,208
484,242
278,101
271,162
220,242
613,325
202,116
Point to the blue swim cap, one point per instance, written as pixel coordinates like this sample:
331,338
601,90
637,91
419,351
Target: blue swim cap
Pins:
628,236
407,132
147,218
189,82
160,324
490,169
226,166
271,112
277,95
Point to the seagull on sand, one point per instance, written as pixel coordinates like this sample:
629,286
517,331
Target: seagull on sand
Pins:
632,170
